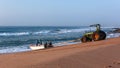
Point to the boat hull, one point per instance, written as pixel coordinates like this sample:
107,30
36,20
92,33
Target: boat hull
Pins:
34,47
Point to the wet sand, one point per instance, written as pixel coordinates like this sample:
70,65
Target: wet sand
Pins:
99,54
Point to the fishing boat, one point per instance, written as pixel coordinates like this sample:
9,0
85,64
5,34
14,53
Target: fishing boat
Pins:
34,47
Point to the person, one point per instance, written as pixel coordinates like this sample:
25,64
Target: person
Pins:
46,45
40,42
50,44
37,42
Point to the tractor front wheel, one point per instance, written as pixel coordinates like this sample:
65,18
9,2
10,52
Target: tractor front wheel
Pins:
85,39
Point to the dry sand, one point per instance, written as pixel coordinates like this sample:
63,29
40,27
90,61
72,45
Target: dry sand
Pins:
99,54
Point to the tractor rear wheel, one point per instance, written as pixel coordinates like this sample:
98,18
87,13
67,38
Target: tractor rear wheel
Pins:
99,35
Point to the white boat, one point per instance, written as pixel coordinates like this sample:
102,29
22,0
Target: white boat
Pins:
34,47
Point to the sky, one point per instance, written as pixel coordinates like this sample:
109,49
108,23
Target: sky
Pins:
59,12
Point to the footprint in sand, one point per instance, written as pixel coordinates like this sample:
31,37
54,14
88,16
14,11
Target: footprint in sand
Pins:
108,66
115,64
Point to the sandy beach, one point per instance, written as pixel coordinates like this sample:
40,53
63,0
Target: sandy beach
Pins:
99,54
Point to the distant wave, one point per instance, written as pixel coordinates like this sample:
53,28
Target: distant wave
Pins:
80,30
54,31
14,34
75,30
41,32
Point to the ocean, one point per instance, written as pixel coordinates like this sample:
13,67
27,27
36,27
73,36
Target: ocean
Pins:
18,38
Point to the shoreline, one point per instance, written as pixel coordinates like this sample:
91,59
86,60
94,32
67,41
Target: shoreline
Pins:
99,54
25,47
58,45
65,43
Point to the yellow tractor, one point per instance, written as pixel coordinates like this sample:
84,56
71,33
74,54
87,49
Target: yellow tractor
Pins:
94,36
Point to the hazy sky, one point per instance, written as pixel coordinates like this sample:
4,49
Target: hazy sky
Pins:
59,12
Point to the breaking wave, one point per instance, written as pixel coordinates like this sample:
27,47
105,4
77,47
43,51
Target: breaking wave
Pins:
14,34
17,39
54,31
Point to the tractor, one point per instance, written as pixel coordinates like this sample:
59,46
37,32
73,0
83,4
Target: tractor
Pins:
96,35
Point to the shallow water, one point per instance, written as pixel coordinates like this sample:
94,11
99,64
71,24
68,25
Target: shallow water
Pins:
17,39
